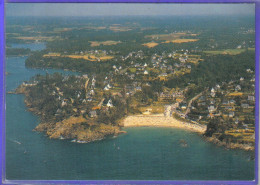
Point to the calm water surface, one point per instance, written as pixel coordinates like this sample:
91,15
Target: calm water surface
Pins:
32,46
142,153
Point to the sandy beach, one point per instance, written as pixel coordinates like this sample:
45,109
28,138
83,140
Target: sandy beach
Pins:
159,120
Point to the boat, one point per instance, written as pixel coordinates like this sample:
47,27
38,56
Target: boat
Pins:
17,142
183,143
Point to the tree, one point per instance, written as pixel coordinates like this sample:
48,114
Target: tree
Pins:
212,127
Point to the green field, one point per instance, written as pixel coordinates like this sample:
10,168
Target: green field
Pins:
228,51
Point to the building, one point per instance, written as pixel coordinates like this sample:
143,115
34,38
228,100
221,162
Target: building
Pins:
244,105
147,111
165,96
138,88
93,114
251,98
109,103
231,114
85,76
211,108
238,88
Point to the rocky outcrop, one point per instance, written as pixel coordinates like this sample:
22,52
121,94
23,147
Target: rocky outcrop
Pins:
230,145
21,90
79,129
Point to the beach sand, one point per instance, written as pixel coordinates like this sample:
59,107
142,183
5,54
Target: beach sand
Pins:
159,120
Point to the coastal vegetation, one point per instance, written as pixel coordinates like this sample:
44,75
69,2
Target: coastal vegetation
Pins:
181,70
17,51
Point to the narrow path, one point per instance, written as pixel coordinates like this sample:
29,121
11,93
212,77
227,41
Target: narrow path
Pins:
190,102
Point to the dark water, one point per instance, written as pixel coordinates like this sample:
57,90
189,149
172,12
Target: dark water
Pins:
142,153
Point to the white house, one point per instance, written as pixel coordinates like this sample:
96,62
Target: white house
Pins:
63,103
211,108
146,72
92,92
106,88
109,103
238,88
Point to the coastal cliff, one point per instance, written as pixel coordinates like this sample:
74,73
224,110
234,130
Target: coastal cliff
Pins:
230,145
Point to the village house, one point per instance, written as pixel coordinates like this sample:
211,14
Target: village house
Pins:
106,88
63,103
210,115
229,108
109,103
203,103
236,120
249,71
231,114
146,72
251,98
165,96
169,67
211,108
138,88
244,105
238,88
212,92
59,111
163,76
85,76
92,114
252,80
92,92
147,111
225,102
232,101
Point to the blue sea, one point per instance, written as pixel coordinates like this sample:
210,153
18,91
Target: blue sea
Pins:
144,153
